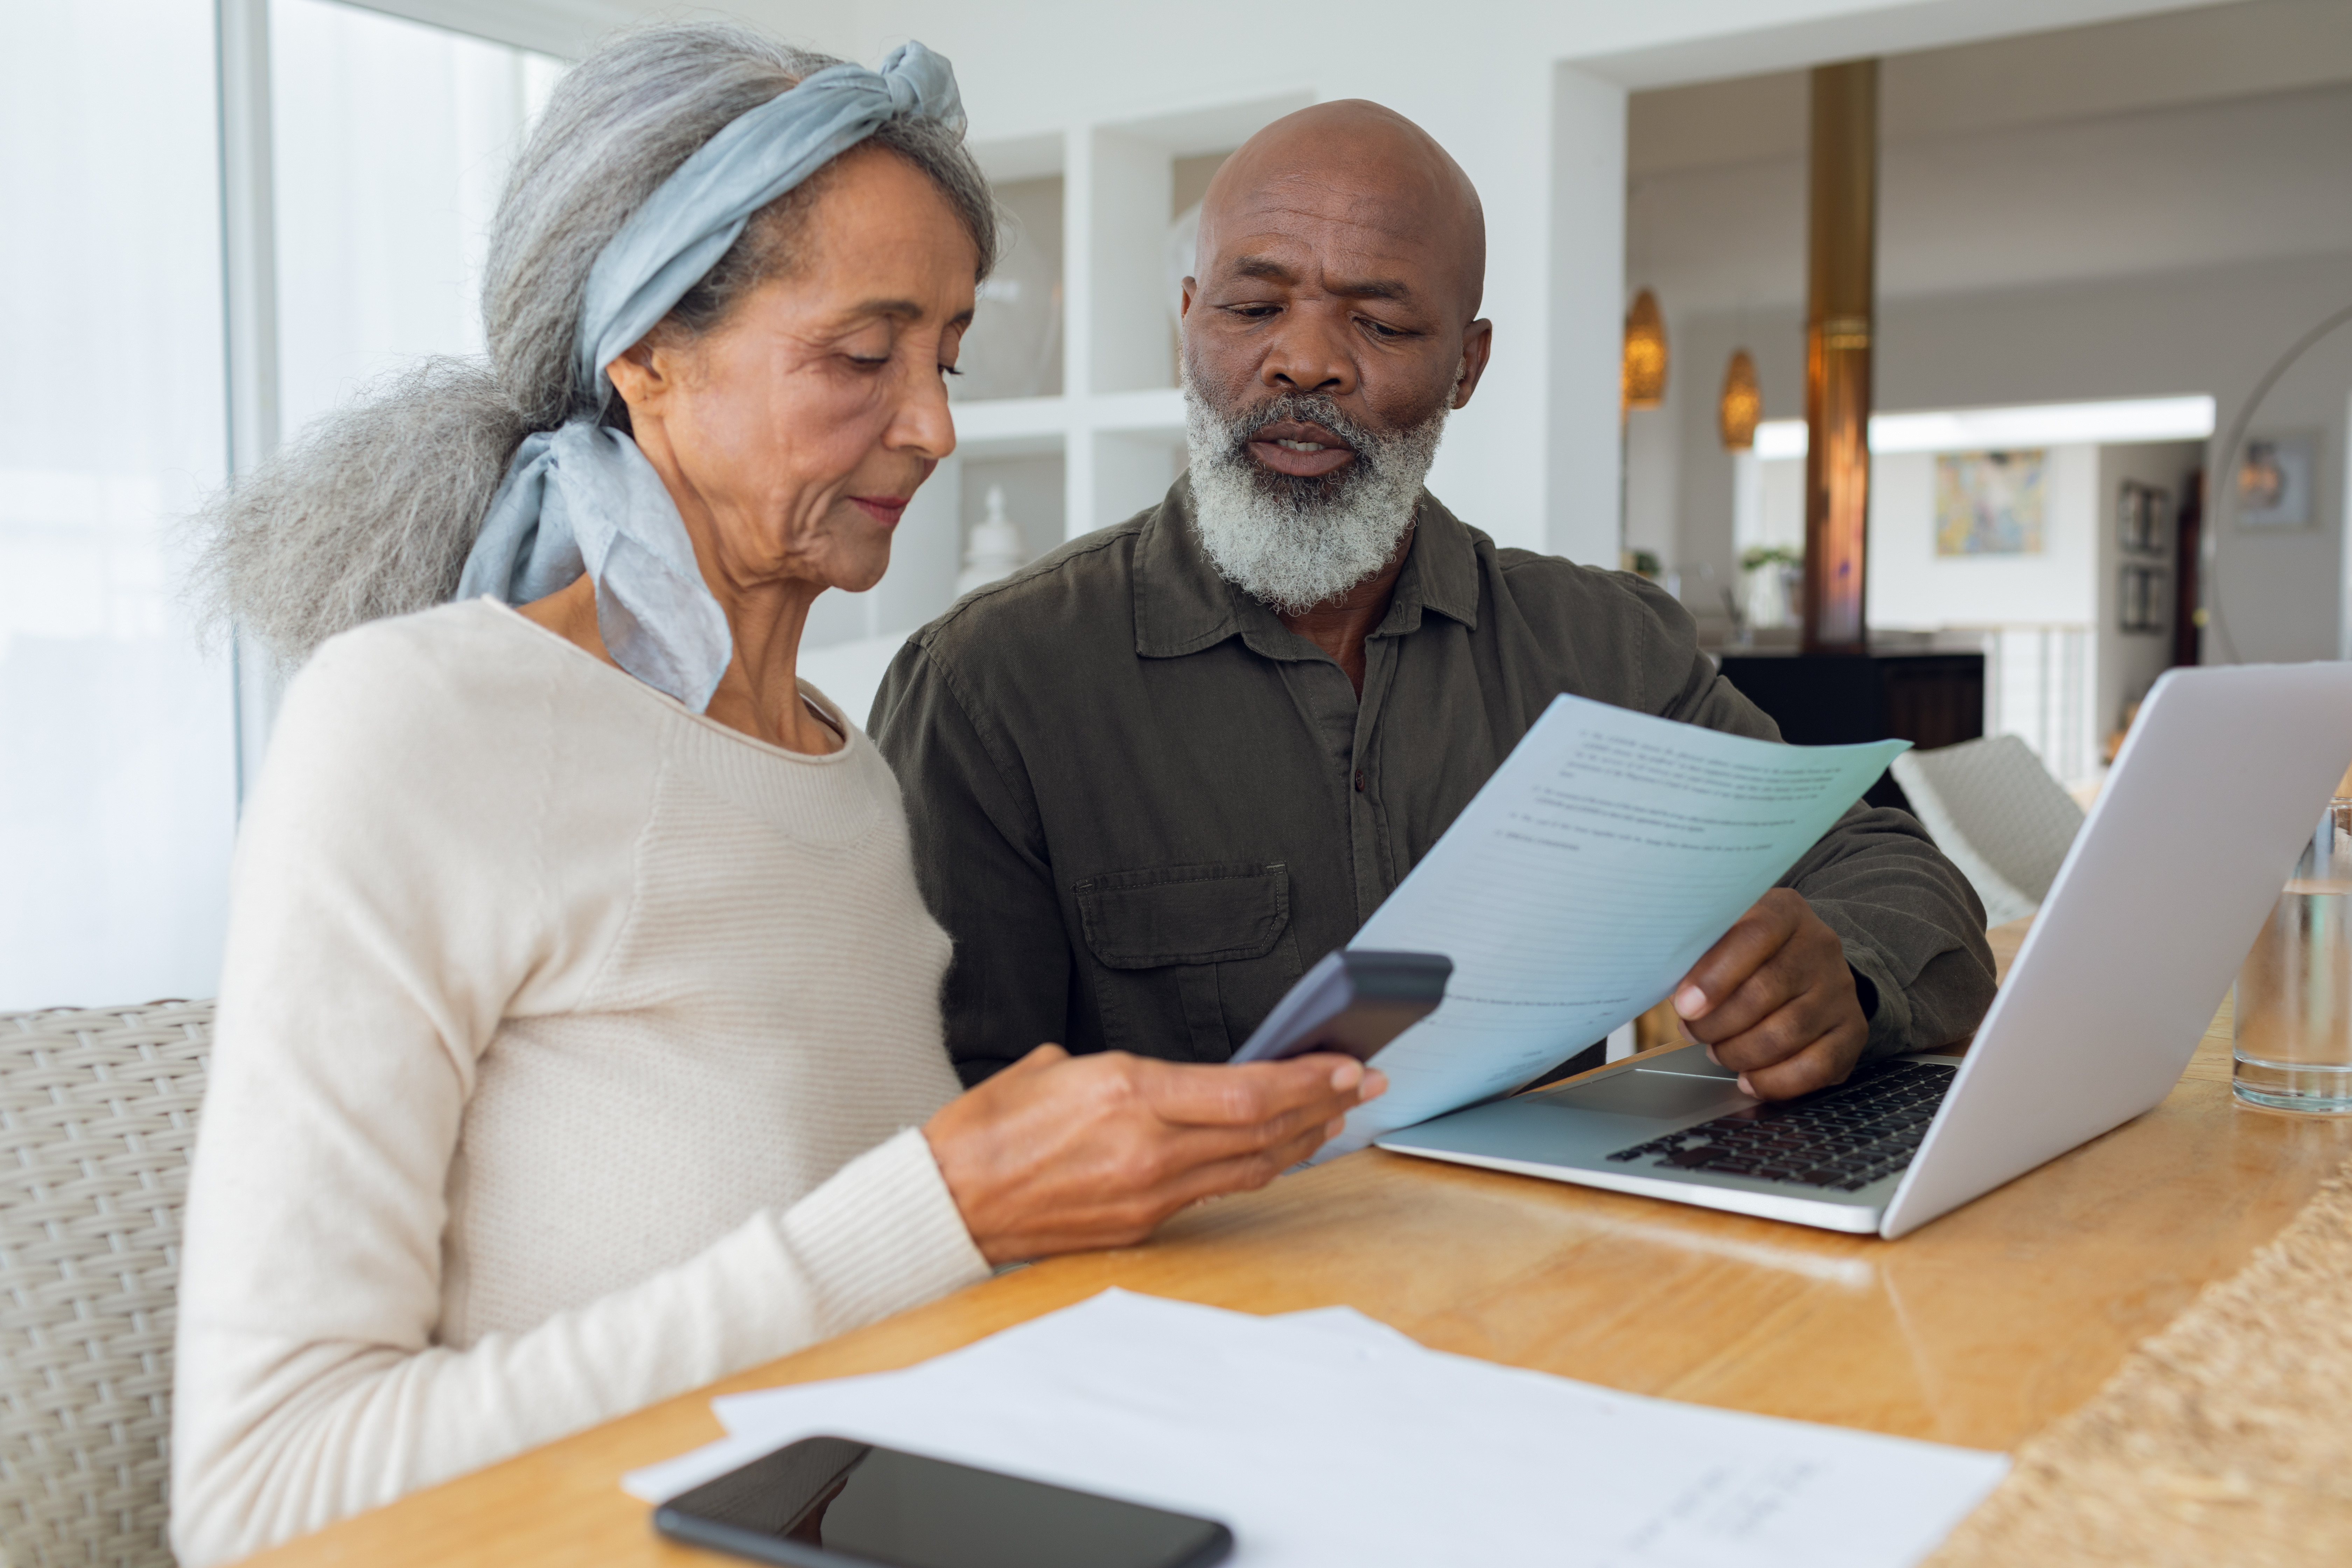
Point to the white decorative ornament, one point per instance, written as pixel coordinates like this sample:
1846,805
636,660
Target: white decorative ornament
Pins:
995,550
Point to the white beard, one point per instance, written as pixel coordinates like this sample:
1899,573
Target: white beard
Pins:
1293,543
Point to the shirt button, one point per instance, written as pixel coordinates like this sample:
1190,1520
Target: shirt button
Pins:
1360,781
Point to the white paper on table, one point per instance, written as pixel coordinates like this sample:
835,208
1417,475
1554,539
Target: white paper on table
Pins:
1325,1442
748,1427
1608,853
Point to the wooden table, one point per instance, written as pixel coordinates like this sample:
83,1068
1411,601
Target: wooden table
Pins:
1976,1329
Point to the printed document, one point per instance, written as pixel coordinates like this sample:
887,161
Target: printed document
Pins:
1607,854
1325,1437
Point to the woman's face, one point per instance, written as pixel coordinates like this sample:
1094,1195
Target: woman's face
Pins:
794,434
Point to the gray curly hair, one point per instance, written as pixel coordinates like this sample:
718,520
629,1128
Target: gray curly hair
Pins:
372,509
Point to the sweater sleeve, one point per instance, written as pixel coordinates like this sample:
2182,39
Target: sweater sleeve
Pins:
393,900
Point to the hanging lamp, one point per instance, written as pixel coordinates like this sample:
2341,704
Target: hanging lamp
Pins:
1643,380
1742,404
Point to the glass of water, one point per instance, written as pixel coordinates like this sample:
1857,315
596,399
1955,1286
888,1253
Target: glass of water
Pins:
2291,1012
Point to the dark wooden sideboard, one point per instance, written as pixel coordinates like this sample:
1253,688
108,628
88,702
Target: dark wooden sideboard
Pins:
1931,696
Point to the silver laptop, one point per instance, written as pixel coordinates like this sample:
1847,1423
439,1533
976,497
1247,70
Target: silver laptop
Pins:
2198,827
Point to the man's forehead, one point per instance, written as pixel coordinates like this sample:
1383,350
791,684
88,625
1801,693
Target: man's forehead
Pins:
1337,256
1325,197
1368,194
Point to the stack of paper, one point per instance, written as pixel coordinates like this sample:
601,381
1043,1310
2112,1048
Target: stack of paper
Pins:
1327,1437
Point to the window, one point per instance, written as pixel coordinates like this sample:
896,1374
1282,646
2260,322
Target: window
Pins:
119,767
392,144
117,737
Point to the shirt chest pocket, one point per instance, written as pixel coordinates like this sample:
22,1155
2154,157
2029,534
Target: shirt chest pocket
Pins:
1188,958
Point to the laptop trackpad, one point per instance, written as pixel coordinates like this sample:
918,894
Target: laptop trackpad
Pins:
1695,1090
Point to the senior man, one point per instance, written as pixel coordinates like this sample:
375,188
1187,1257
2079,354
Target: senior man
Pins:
1157,773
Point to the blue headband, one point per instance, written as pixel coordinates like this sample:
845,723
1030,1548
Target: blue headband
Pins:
583,497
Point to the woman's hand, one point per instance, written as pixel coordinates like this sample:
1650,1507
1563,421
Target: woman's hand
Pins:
1057,1152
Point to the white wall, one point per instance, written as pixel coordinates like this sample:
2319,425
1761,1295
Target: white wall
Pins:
1654,473
2196,186
2210,332
1912,586
2213,330
2063,669
2047,668
2240,49
2147,209
1528,96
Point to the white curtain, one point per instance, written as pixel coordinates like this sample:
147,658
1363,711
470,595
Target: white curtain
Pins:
117,762
392,142
118,759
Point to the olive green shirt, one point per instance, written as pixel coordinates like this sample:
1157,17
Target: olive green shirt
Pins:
1142,806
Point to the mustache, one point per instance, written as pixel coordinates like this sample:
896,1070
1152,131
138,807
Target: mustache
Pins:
1301,407
1231,431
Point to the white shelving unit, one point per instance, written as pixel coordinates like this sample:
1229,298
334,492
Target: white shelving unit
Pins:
1117,428
1119,422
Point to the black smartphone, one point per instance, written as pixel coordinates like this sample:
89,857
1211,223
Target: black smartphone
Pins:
1353,1002
828,1502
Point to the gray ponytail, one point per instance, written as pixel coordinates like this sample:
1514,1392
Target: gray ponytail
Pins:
373,508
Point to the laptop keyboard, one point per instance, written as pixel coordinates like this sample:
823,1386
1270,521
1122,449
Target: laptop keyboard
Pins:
1845,1137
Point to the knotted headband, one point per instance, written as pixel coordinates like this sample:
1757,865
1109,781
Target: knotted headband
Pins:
583,497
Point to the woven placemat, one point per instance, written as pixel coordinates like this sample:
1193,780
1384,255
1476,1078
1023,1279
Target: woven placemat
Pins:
2227,1438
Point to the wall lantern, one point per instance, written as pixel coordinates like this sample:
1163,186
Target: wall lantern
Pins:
1645,378
1742,404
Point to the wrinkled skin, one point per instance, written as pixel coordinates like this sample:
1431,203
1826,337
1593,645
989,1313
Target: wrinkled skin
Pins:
791,436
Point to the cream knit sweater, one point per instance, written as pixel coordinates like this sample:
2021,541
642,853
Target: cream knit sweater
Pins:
572,1052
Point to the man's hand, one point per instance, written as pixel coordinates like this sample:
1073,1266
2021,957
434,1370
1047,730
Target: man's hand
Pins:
1775,1002
1058,1152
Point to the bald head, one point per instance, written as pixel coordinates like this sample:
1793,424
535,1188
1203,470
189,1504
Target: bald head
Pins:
1355,165
1331,326
1341,258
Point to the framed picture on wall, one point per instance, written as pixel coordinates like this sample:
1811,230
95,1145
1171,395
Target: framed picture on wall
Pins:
2143,516
2140,598
2273,481
1990,503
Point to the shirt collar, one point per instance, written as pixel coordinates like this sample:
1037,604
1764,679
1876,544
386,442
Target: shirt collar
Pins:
1182,605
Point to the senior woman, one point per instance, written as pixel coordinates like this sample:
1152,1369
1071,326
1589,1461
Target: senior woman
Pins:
579,1034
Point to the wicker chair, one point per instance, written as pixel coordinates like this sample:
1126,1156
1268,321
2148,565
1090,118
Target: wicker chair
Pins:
97,1116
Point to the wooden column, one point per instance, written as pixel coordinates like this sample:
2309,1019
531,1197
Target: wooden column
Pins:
1841,288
